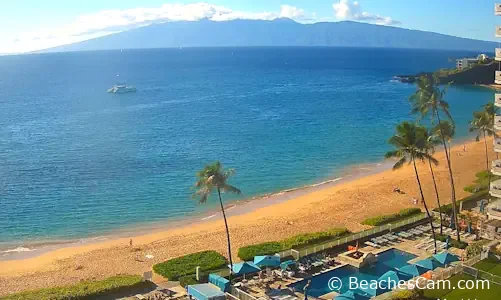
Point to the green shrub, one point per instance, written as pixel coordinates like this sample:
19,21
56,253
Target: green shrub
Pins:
481,183
187,280
305,239
381,220
296,242
452,242
473,250
447,209
82,290
248,252
186,265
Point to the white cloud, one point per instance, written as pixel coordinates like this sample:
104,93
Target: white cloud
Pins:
351,10
110,21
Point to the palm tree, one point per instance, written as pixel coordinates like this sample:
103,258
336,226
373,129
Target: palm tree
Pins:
410,145
429,100
213,177
445,130
483,124
431,142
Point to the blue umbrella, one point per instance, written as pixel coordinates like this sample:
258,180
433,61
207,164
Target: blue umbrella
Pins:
413,270
453,225
447,241
245,268
286,264
429,264
349,295
445,258
482,206
389,280
469,228
267,261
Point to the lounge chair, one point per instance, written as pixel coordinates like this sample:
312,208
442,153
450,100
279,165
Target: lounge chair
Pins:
373,245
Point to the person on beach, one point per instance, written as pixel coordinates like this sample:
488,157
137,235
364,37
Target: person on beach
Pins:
130,242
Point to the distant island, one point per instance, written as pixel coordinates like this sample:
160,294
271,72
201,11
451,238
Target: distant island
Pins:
275,33
479,71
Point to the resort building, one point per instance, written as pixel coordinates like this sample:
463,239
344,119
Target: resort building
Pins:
494,209
464,63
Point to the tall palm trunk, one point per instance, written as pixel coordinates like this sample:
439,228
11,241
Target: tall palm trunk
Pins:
451,177
227,231
425,206
438,198
487,159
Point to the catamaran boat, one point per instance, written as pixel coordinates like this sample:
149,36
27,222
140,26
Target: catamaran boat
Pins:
122,88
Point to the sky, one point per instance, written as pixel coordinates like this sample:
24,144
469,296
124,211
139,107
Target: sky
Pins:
28,25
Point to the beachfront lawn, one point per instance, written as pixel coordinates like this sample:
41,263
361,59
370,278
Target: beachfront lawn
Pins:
111,288
456,294
491,265
186,265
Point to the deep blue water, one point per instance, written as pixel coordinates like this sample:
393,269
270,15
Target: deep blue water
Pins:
76,161
387,261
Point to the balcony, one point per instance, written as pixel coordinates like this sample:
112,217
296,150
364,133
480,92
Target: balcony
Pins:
497,144
497,9
496,167
497,78
495,189
498,31
498,54
497,100
497,122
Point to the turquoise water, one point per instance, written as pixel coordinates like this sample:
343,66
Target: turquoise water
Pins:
79,162
387,261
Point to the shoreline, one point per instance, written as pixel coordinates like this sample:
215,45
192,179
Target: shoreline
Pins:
14,251
344,204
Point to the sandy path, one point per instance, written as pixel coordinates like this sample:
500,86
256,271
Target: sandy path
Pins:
343,205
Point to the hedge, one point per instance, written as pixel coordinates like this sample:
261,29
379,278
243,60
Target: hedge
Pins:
295,242
302,240
382,220
447,209
452,242
187,280
186,265
248,252
82,291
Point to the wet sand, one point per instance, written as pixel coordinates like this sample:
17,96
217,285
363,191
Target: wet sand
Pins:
343,202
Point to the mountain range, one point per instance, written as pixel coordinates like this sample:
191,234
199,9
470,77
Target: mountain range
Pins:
278,32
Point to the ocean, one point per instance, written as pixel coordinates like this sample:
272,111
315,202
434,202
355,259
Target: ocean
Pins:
77,162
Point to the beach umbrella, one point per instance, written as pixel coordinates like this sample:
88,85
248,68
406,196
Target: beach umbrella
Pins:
429,264
470,229
413,270
389,280
286,264
267,260
245,268
453,225
482,206
370,291
350,295
445,258
447,241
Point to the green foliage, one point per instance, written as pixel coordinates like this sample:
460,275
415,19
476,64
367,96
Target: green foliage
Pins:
302,240
447,209
248,252
446,72
473,250
481,183
83,290
295,242
415,294
448,291
186,265
452,242
381,220
187,280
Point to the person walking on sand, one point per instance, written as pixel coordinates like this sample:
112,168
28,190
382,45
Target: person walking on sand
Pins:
130,242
